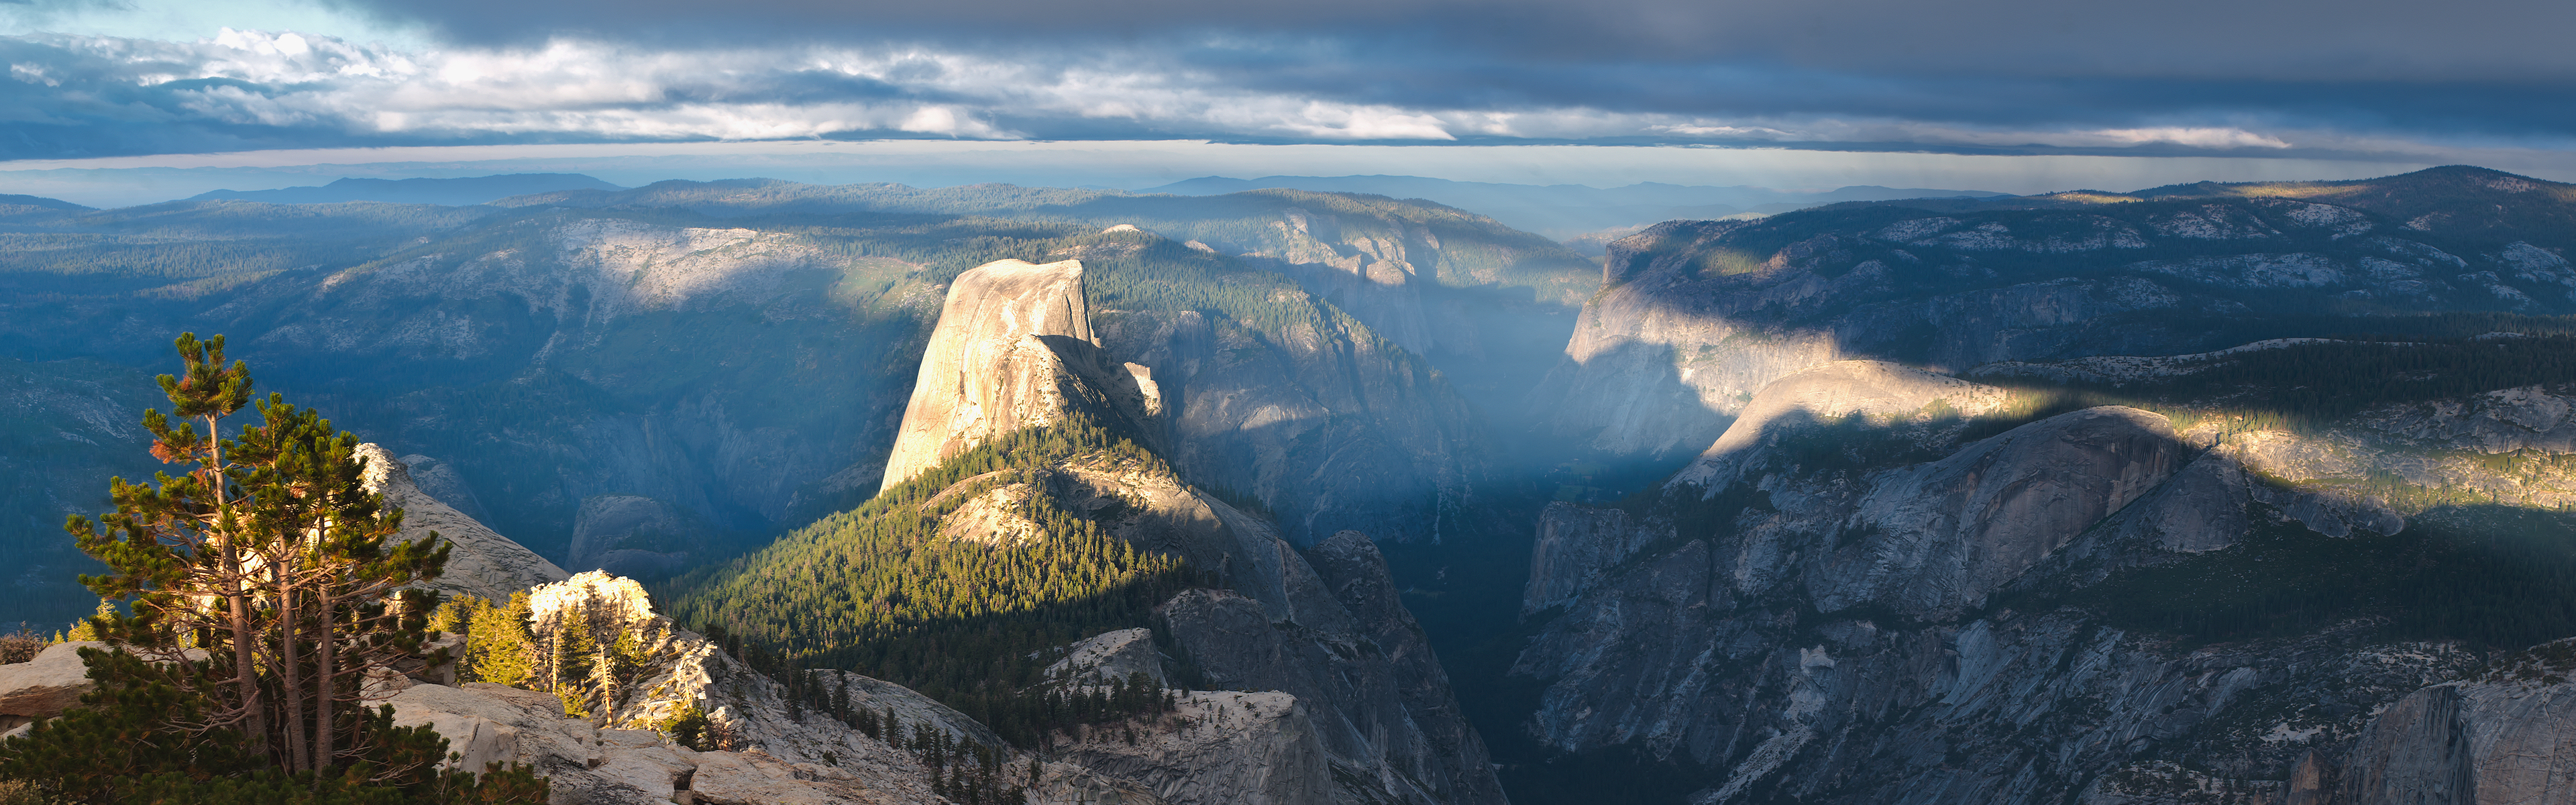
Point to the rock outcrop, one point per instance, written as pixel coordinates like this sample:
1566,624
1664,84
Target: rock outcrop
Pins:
483,563
1823,608
1256,748
772,751
1882,394
1356,708
46,686
1696,316
1351,705
2502,737
1109,656
1330,426
1380,703
586,765
1935,539
1576,544
1013,349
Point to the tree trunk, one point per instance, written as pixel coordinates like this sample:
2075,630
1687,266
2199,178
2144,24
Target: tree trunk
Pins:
291,671
245,668
325,678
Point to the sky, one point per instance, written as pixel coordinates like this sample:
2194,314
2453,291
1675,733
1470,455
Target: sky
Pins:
1773,92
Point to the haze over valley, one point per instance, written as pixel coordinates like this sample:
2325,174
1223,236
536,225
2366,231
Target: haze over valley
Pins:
980,404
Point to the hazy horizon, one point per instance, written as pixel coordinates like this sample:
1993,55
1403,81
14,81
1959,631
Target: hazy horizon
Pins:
109,182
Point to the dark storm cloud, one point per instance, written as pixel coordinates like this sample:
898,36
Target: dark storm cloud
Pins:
2001,75
2382,65
2283,39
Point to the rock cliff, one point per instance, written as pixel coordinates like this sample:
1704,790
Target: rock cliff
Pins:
1378,702
1885,393
1697,316
2502,736
1325,691
1013,349
1855,596
483,563
766,750
1345,701
1402,287
1332,427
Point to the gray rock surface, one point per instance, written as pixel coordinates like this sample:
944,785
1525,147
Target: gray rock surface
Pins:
988,370
483,563
1836,626
1377,723
1333,428
1256,748
1576,544
585,765
773,752
47,685
1878,392
1938,538
2508,736
1108,656
1324,630
1696,316
1379,704
1359,672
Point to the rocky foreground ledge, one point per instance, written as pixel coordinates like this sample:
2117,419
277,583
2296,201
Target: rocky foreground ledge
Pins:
1265,747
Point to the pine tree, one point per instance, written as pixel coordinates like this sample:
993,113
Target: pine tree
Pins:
499,646
264,586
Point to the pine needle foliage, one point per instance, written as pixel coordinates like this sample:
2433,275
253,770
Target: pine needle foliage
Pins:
265,584
878,591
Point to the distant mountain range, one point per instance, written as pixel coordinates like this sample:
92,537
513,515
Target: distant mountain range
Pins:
12,203
448,192
1567,211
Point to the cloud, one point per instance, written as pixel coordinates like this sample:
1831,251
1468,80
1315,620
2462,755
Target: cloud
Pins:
2001,76
2272,40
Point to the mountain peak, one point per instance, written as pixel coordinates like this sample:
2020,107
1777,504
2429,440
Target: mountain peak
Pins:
1013,349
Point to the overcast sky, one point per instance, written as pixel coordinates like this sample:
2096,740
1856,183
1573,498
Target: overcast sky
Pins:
2373,81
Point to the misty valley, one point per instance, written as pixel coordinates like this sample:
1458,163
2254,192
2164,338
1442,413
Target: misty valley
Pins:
1285,492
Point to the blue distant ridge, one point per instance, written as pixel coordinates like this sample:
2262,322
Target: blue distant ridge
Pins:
14,200
1560,211
446,192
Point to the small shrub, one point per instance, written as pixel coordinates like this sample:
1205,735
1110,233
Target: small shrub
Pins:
21,646
23,792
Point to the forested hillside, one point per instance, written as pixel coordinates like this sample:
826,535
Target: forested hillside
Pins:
883,590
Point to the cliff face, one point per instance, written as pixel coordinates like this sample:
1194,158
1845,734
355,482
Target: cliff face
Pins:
990,367
1322,633
1696,316
483,563
1390,266
1343,698
2497,737
1852,598
1332,427
1379,702
1324,689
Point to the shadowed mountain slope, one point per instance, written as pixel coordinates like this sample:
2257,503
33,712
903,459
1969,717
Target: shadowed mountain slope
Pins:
2207,493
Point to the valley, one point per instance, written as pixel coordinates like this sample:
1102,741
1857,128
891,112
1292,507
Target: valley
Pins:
2226,493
